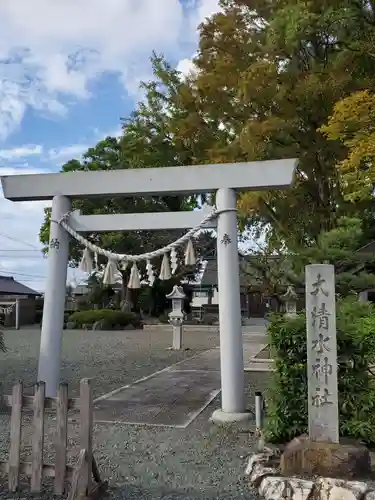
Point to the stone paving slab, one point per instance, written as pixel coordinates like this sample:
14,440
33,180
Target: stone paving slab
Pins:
250,350
254,338
251,364
208,360
172,397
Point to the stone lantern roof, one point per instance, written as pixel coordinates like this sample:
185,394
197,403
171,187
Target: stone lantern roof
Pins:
176,293
289,295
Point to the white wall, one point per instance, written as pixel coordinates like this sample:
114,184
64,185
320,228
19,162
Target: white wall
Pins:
199,301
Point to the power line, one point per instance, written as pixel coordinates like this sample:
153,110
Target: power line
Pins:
19,250
21,274
18,241
22,257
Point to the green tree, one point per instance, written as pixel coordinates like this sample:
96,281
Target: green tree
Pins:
99,295
144,143
268,75
148,139
352,124
341,246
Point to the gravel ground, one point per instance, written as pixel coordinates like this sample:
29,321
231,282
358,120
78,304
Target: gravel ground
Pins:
201,462
129,354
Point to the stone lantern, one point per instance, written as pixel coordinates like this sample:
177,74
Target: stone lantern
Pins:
290,300
177,315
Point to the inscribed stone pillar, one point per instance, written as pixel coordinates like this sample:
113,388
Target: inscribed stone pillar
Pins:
322,353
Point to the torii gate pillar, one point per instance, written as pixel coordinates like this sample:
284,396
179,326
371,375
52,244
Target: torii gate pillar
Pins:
231,343
54,298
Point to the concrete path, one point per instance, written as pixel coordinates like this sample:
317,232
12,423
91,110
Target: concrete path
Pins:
255,334
172,397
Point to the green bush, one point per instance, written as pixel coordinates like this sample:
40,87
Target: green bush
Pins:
287,414
164,318
108,318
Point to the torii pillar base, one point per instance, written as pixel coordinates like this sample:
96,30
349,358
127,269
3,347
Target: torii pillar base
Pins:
221,417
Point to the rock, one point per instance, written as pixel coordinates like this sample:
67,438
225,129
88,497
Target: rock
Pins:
272,487
347,459
266,458
71,325
261,465
276,488
327,488
97,325
370,495
259,471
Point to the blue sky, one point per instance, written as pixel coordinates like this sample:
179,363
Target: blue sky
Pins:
69,69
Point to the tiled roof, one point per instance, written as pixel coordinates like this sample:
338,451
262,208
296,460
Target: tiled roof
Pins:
8,285
209,277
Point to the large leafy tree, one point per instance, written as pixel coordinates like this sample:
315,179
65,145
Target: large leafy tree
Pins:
353,124
343,246
268,75
145,142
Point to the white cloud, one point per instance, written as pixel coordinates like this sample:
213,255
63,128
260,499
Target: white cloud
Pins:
50,53
186,66
206,8
21,152
51,49
66,153
20,248
19,241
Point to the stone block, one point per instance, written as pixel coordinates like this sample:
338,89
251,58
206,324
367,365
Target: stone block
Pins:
347,459
370,495
327,488
261,465
260,471
268,458
276,488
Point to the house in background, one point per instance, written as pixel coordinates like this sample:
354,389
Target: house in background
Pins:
11,291
254,302
206,292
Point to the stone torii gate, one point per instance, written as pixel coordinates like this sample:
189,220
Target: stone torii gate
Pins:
225,179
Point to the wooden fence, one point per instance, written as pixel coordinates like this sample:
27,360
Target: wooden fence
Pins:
84,478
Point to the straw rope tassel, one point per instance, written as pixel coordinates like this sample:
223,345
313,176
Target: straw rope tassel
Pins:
134,279
86,264
190,259
165,270
110,273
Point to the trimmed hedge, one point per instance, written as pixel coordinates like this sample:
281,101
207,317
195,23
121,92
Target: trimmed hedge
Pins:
108,318
287,396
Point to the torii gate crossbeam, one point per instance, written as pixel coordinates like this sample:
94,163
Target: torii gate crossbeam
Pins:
226,179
